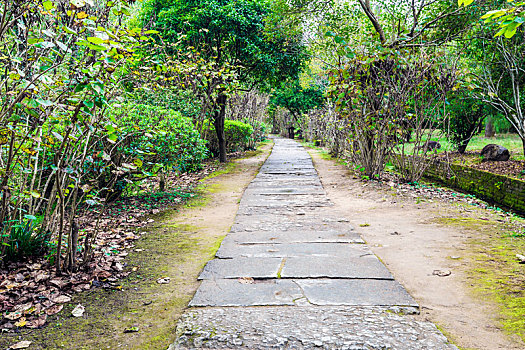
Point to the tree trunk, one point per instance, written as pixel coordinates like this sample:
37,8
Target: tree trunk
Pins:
162,182
291,132
489,128
463,147
218,122
523,144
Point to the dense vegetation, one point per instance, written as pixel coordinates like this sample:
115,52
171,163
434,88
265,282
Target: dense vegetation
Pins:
397,74
98,95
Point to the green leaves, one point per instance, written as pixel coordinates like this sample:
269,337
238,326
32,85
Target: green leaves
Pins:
509,19
48,5
465,2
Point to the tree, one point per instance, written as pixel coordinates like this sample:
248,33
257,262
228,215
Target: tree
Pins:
296,99
464,119
232,35
501,79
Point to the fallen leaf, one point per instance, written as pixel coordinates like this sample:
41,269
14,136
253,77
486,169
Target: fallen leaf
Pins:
24,344
24,307
164,280
246,280
78,311
13,315
39,322
131,330
57,282
118,267
21,323
41,277
55,309
61,299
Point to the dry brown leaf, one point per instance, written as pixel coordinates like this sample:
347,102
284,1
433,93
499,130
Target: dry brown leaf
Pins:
61,299
41,277
441,273
246,280
24,344
37,323
55,309
13,315
78,311
164,280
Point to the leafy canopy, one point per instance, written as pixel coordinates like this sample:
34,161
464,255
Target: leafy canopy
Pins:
231,33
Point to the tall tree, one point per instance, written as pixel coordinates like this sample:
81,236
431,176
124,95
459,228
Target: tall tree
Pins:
232,34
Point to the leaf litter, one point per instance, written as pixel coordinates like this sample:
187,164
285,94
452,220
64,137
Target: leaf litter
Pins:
31,290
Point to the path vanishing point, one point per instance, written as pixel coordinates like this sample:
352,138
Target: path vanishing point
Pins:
294,274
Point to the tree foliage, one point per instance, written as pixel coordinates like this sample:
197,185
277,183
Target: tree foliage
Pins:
232,35
296,99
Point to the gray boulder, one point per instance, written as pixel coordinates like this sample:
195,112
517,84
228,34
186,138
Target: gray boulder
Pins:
495,153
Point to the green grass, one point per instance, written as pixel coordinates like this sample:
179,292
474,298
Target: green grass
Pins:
510,141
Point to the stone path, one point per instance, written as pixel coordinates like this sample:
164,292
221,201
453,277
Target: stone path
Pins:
293,274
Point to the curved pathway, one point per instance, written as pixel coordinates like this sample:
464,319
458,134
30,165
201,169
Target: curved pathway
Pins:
293,274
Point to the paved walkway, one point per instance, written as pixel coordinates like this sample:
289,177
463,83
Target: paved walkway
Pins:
293,274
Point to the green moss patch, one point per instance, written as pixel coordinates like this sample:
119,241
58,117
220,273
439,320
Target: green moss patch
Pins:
493,270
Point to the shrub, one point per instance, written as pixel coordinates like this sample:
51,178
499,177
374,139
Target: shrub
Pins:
164,136
237,135
23,240
142,140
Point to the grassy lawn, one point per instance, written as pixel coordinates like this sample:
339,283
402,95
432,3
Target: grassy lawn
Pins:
510,141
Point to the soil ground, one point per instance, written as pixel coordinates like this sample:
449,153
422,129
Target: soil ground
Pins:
418,239
141,313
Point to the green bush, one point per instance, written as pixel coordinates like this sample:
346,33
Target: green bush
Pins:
237,135
164,136
140,141
23,241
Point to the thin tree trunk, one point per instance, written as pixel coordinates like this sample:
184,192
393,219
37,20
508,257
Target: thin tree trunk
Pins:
489,128
218,122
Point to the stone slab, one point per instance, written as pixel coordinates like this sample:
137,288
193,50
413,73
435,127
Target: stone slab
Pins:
241,267
296,237
290,177
307,327
229,249
313,182
231,292
355,292
365,267
244,225
272,203
271,191
284,197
